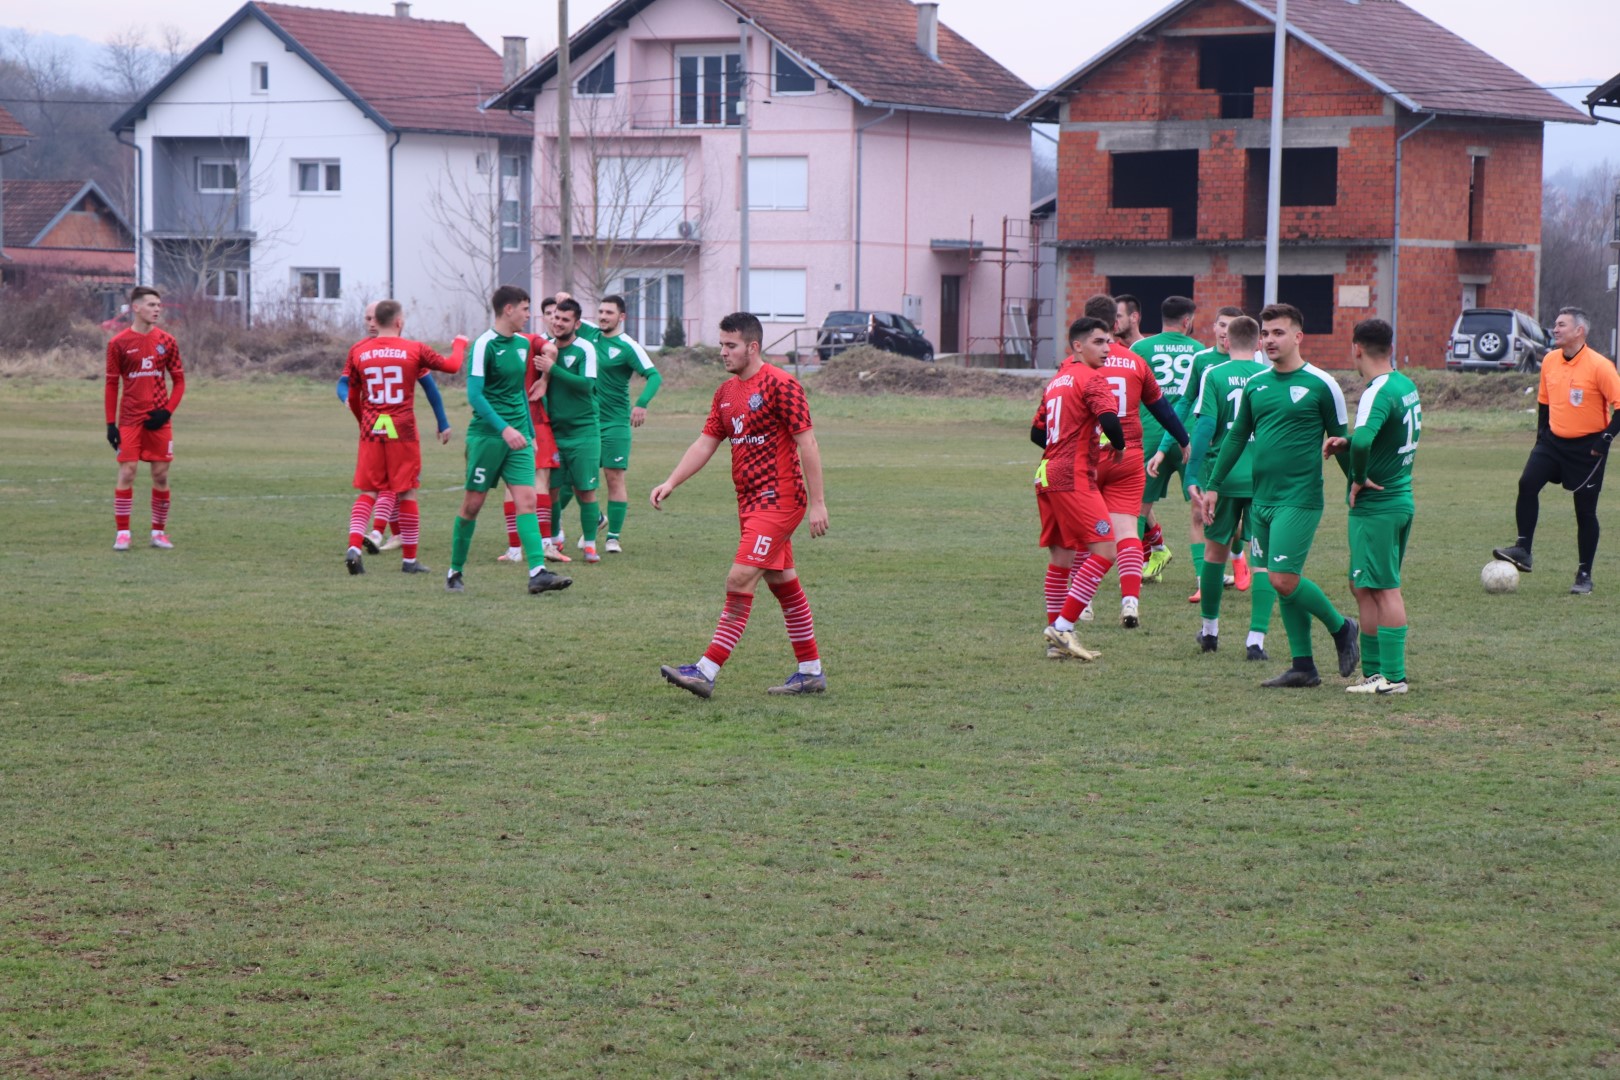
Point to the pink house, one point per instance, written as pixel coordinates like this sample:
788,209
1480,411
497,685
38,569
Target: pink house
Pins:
881,165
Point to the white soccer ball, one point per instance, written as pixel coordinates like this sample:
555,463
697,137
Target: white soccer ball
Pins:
1499,576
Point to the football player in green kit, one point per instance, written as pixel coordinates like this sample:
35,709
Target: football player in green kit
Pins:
1288,410
500,439
571,404
619,357
1170,356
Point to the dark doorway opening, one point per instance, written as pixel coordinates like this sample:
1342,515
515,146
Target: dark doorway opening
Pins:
1310,177
1151,291
1311,293
1233,67
1160,178
950,313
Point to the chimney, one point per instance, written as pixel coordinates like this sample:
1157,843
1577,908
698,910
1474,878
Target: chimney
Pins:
928,29
402,9
514,57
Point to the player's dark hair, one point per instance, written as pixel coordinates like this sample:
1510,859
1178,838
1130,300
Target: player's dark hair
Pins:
1375,336
387,313
1228,312
1273,312
571,305
741,322
1101,307
1083,328
506,296
617,301
1175,308
1242,335
1132,304
139,291
547,304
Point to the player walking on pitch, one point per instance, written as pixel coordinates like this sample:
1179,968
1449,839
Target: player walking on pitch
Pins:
1170,354
1389,421
144,362
500,439
382,373
619,356
1288,410
570,401
776,468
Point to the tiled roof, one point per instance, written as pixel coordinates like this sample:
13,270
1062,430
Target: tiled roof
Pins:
1406,55
866,47
11,127
33,204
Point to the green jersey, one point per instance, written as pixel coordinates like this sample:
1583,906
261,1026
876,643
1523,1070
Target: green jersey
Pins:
1288,413
1219,393
619,356
1170,356
590,332
1389,420
571,392
495,370
1202,361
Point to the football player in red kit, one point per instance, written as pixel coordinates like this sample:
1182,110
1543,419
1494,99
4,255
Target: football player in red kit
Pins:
382,372
144,362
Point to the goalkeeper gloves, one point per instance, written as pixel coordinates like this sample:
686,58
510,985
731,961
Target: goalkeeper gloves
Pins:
157,418
113,438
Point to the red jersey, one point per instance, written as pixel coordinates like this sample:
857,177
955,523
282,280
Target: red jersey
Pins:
1133,384
759,417
1073,401
140,362
382,374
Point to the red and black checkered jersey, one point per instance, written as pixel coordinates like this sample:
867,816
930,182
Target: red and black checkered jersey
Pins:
1073,400
142,366
382,373
759,417
1133,384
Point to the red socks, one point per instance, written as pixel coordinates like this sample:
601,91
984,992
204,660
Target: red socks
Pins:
512,538
160,510
1088,574
542,513
733,621
1154,537
1130,566
386,510
1057,587
410,528
801,628
123,503
360,519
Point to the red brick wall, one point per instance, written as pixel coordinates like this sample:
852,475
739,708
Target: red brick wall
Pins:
1436,170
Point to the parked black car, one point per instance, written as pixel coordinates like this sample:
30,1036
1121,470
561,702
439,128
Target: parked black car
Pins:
1496,339
880,329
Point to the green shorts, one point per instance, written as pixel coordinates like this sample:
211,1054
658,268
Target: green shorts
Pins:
581,456
1158,486
616,446
1377,549
1231,522
1283,537
491,461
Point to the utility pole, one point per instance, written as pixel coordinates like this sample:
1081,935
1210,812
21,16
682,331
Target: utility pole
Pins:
565,164
742,124
1279,54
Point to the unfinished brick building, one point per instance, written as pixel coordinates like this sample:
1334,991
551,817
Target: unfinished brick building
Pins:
1163,158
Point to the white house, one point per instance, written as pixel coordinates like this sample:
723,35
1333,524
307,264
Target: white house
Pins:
324,159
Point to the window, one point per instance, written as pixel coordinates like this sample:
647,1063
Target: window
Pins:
511,202
318,284
710,86
1160,178
641,198
598,82
318,177
778,183
1476,197
259,78
216,176
1235,67
791,78
777,295
653,301
223,284
1311,293
511,167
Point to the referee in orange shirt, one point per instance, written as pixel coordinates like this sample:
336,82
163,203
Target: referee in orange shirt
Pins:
1574,428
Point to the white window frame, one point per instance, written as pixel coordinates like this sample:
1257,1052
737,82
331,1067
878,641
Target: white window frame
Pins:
323,176
764,191
259,77
779,53
511,203
214,284
650,334
328,284
723,50
772,285
221,163
608,57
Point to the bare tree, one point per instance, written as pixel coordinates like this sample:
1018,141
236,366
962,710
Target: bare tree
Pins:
1577,225
466,208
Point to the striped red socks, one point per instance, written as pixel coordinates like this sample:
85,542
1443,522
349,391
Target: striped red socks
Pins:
1130,566
729,631
360,519
160,510
1154,537
123,503
512,538
801,627
410,528
542,513
1088,574
1057,587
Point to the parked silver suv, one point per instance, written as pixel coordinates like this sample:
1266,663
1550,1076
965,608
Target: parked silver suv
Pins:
1496,339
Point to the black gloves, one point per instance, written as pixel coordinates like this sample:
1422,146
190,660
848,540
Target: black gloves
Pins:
113,439
157,418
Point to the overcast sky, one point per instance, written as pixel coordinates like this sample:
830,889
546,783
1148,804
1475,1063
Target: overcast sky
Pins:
1554,42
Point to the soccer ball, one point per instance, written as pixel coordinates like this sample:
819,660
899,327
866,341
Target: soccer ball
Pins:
1499,576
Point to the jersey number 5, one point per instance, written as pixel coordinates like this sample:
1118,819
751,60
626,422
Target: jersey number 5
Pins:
385,385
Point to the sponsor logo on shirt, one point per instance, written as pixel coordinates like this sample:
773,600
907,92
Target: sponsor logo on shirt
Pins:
146,365
736,425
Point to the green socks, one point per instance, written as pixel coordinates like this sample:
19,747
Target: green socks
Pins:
534,548
460,543
1316,603
1297,623
616,513
1370,653
1262,597
589,515
1392,648
1198,562
1211,583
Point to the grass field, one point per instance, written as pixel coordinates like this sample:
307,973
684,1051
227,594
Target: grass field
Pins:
263,819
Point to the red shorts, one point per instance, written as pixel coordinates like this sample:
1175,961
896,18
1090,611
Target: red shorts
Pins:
388,465
1122,481
1073,519
135,443
545,443
767,538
